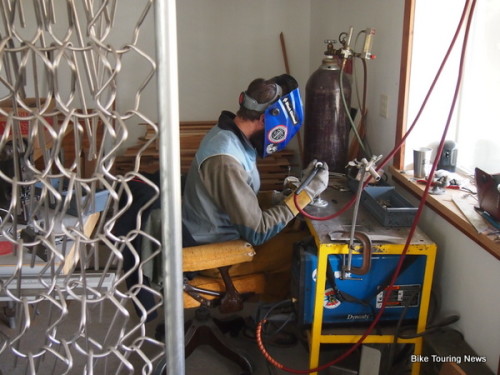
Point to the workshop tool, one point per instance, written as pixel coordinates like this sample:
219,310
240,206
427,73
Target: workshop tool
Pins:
366,249
307,180
356,300
317,201
364,167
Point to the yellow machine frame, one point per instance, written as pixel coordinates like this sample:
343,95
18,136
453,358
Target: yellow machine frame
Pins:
420,245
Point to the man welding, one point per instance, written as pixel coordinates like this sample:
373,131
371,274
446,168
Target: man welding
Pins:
220,201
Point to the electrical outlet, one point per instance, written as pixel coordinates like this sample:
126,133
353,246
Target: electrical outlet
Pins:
383,106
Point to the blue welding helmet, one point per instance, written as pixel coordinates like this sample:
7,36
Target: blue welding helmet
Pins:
282,120
283,116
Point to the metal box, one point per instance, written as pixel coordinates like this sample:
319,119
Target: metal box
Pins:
366,292
388,206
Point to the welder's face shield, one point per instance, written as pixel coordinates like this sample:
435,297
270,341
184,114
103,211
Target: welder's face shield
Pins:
282,120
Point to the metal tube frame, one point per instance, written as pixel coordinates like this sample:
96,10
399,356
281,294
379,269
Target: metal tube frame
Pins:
168,112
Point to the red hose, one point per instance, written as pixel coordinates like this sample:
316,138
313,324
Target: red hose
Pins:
419,210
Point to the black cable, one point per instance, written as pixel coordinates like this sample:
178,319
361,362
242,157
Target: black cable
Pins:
433,328
392,347
270,310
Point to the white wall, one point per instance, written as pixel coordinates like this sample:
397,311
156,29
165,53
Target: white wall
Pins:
466,281
225,44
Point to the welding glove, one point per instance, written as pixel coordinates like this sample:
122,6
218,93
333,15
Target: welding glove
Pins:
319,183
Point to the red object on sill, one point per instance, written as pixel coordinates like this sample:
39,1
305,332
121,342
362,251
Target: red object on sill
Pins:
424,182
6,247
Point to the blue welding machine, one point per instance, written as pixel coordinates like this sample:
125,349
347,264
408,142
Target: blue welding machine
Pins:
357,300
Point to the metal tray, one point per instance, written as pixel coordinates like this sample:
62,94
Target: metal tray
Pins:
388,206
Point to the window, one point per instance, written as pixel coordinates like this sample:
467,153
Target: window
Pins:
475,125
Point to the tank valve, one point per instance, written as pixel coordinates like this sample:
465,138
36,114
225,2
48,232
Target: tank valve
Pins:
366,166
330,50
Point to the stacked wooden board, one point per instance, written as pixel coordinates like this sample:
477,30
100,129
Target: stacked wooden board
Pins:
273,169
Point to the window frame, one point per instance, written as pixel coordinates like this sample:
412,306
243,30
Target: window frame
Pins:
455,219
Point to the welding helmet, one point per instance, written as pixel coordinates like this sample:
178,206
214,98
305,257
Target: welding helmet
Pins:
283,115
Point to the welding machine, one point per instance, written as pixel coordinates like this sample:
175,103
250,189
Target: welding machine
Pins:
357,299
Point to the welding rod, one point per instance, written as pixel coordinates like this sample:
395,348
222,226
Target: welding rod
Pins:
317,167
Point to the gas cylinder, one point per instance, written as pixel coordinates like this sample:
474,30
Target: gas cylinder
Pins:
326,125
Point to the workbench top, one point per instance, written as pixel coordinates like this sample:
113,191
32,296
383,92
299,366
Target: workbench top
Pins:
329,231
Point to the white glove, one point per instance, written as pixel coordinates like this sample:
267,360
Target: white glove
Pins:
319,183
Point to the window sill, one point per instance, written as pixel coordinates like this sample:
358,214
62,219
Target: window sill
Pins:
445,207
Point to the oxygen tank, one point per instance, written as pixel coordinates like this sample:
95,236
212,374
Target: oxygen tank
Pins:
326,125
